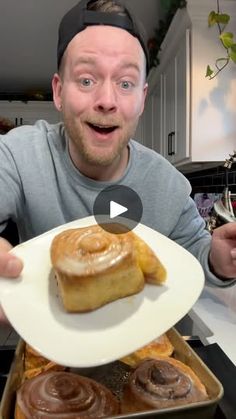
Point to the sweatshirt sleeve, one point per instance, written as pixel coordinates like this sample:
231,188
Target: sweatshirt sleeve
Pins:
10,185
190,233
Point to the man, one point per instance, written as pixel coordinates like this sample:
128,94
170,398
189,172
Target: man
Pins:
52,174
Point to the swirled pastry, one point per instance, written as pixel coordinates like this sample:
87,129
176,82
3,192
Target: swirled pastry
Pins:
33,372
94,267
64,395
161,383
152,268
35,363
33,359
160,346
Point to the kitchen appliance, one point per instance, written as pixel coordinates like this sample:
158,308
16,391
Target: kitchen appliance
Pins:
223,211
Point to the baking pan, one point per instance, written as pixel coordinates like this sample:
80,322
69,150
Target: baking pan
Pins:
116,374
6,357
13,382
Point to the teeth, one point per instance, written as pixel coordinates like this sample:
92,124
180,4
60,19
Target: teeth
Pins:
103,126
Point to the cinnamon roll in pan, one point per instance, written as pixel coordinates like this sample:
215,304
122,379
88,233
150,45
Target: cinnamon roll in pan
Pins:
94,267
33,359
64,395
162,383
35,363
160,346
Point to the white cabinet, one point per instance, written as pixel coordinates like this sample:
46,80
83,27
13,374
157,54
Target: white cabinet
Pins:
27,113
139,133
158,116
192,118
147,123
176,86
150,125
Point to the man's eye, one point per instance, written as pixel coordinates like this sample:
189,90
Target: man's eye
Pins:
126,85
86,82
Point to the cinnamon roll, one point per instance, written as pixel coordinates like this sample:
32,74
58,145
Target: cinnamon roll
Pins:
160,346
161,383
35,363
94,267
151,266
33,359
64,395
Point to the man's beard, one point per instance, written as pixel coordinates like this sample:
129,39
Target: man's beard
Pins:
103,158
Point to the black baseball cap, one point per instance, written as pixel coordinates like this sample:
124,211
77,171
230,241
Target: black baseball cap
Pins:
79,17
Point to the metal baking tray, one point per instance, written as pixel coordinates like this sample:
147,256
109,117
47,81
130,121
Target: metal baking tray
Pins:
116,374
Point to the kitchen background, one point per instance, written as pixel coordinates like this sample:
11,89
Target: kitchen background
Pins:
28,34
189,119
28,39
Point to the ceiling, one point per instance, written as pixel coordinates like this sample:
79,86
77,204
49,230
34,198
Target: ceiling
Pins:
28,39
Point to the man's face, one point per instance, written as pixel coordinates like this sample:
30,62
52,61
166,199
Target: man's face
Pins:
101,92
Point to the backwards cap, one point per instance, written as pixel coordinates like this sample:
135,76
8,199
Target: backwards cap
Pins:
79,17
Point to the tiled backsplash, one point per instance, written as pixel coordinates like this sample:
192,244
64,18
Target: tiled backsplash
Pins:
212,180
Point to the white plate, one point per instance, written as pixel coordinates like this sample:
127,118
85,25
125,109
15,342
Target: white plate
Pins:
108,333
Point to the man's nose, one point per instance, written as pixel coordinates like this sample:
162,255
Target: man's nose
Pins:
106,97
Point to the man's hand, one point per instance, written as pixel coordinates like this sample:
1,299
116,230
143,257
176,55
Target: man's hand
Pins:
223,251
10,265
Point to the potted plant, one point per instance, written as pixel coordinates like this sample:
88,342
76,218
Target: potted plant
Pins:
221,20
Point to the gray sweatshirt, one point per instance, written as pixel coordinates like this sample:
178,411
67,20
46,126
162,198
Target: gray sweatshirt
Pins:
40,188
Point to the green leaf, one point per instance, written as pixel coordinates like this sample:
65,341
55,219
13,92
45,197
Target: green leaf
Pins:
222,18
232,55
212,18
209,71
227,38
233,47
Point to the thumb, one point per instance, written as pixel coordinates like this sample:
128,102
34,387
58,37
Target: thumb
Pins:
5,245
10,265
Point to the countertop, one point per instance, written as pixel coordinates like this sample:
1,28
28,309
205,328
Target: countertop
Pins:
214,315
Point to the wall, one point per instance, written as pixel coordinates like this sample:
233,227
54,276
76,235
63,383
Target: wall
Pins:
212,180
28,34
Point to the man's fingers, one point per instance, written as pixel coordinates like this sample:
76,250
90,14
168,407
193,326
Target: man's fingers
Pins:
3,318
10,266
5,246
233,253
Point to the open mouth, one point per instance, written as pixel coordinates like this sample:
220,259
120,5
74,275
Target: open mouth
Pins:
103,129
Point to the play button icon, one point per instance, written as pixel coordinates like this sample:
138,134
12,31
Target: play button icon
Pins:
118,209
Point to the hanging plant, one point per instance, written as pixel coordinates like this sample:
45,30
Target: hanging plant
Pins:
226,39
170,7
